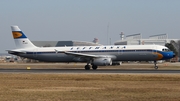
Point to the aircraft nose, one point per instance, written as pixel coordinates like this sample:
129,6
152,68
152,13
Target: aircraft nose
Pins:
174,55
169,55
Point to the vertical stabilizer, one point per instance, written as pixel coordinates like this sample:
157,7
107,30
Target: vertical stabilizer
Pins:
20,38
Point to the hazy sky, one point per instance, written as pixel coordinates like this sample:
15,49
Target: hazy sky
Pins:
51,20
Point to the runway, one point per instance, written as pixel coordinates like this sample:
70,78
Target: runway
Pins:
77,71
62,68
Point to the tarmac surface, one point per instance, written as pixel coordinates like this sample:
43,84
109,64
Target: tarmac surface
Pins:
167,68
82,71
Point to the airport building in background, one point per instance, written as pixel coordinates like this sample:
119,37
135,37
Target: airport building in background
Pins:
65,43
136,39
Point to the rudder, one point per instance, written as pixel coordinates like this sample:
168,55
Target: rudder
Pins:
20,38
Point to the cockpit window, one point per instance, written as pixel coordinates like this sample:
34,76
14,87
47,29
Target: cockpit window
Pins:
165,49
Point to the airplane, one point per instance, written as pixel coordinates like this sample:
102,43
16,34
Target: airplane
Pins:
92,55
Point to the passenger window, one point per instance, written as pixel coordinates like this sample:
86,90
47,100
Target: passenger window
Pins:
97,48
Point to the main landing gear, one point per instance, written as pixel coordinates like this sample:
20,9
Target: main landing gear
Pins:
87,67
94,67
155,65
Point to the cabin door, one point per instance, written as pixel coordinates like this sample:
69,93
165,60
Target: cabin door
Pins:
57,53
154,49
120,51
35,52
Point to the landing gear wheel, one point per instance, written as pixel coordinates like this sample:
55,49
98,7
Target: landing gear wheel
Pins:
156,67
94,67
87,67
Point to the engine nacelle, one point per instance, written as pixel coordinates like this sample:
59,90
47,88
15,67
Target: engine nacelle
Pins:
102,61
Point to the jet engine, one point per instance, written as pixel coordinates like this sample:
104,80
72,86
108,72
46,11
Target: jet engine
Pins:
102,61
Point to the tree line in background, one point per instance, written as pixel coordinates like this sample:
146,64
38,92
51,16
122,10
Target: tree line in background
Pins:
174,46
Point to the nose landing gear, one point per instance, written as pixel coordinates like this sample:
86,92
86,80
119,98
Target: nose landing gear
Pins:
155,65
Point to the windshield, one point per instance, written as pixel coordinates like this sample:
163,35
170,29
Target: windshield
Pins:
166,49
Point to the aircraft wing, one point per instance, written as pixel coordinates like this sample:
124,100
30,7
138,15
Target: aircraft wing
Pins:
82,55
87,56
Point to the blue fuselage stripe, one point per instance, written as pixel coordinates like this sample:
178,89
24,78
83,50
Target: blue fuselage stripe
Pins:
90,51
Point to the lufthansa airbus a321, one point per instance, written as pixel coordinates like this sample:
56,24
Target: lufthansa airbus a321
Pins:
92,55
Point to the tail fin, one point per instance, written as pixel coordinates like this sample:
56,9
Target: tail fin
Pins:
20,38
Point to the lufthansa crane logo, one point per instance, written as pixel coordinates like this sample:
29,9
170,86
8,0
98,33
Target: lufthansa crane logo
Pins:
16,34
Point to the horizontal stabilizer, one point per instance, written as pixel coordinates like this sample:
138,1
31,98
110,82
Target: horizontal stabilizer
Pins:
15,52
